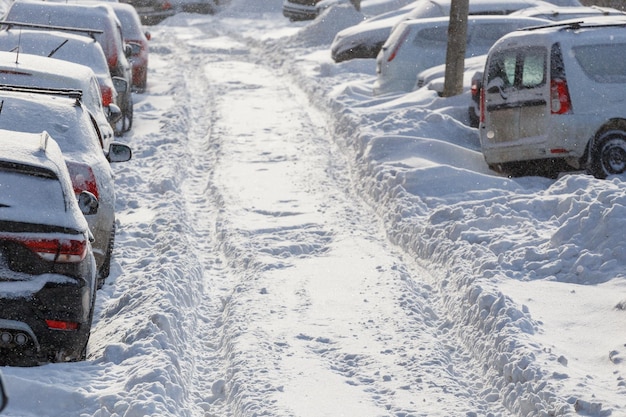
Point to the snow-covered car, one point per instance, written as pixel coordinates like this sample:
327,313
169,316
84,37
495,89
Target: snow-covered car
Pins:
365,39
135,37
72,48
40,71
367,7
434,79
47,267
104,25
555,96
418,44
556,13
62,115
300,9
151,12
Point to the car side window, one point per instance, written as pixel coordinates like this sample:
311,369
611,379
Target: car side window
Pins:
430,37
598,62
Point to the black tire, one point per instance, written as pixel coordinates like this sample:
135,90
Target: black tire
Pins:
105,268
128,115
609,154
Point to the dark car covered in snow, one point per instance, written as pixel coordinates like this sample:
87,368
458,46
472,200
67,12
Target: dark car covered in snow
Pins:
47,267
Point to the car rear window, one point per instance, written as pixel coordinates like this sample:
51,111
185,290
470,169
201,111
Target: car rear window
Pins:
519,68
44,195
599,63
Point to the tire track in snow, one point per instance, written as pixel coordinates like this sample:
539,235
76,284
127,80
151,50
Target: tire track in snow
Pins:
390,350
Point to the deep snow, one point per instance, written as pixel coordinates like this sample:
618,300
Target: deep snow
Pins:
253,275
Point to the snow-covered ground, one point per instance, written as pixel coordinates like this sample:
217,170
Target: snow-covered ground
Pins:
289,245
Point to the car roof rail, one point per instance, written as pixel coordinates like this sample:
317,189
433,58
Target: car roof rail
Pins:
10,24
72,93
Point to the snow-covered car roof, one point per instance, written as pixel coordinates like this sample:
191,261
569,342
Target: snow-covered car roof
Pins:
66,46
22,197
58,115
37,71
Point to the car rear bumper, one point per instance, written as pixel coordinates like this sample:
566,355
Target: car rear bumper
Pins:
25,337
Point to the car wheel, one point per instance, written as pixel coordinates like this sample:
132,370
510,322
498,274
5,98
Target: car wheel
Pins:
609,155
128,115
82,355
105,268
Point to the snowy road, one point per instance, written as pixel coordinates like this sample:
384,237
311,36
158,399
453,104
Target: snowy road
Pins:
316,297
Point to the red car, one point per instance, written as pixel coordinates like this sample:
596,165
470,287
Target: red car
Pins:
137,39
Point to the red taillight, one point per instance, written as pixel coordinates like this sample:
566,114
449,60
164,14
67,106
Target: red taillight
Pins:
83,178
112,61
107,95
398,44
62,325
54,250
166,5
560,102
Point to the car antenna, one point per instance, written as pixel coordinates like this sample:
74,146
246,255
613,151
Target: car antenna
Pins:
19,44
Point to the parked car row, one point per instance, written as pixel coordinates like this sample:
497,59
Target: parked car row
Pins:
546,91
67,75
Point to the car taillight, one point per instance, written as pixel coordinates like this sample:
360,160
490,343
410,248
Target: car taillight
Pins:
560,102
55,250
83,178
166,5
112,61
398,44
107,95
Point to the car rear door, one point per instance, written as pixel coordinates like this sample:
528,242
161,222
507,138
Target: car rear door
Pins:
517,94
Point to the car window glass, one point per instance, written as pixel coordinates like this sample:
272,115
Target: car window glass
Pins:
502,67
435,35
599,63
488,34
533,68
43,192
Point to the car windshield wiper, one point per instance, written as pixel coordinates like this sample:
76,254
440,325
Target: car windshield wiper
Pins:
57,48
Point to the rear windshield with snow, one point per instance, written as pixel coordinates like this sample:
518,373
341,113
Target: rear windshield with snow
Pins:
28,195
600,64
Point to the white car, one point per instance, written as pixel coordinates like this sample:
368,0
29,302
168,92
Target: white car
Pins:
418,44
556,97
556,13
365,39
62,115
74,48
38,71
434,79
297,10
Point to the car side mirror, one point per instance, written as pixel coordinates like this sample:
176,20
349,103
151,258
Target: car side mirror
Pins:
148,35
128,51
118,152
88,203
115,113
121,85
135,48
